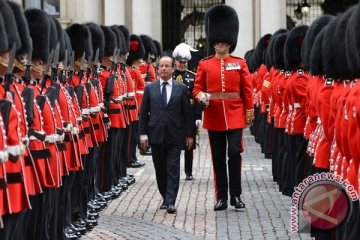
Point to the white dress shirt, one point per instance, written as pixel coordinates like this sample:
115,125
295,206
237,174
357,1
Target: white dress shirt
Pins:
168,88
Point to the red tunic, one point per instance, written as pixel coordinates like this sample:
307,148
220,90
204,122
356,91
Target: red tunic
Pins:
230,75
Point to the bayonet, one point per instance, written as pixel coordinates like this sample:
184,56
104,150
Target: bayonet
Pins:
47,72
114,59
11,60
29,62
82,66
62,74
96,63
10,67
88,69
55,63
71,65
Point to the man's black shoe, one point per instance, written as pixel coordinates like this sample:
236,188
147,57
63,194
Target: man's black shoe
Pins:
163,206
171,209
145,153
189,177
220,205
136,164
237,202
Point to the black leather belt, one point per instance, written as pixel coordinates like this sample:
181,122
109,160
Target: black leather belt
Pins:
87,130
3,184
14,177
40,154
96,126
113,111
61,146
28,161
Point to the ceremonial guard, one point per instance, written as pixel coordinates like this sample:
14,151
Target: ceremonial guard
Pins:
181,74
223,85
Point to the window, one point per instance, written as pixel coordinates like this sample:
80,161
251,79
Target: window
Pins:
52,7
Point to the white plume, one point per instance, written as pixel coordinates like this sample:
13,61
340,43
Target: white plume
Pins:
183,50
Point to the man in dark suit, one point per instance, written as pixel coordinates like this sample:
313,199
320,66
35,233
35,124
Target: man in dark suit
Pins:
166,123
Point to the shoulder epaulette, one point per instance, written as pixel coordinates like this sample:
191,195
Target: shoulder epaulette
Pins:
206,58
236,57
190,71
300,71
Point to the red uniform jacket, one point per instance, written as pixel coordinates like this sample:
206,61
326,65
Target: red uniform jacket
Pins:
216,76
147,72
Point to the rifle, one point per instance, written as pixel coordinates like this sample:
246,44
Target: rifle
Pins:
62,73
55,64
9,72
82,63
71,66
96,64
114,60
29,63
47,74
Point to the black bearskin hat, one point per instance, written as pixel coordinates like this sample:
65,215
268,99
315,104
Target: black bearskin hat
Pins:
269,59
4,45
262,44
158,48
292,48
126,34
352,42
97,39
53,40
80,38
339,48
39,27
60,38
327,51
10,25
23,29
310,36
148,46
278,51
67,43
316,65
222,25
110,41
120,39
137,50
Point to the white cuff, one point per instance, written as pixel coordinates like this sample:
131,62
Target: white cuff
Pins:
4,155
85,111
95,109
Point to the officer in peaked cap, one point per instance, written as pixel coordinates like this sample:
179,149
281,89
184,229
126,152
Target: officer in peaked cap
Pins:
182,54
228,101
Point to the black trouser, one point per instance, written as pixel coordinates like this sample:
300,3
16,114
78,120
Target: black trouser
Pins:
68,204
219,140
280,156
189,156
166,158
109,161
275,153
33,218
9,231
98,155
268,138
262,132
301,159
134,140
125,151
285,169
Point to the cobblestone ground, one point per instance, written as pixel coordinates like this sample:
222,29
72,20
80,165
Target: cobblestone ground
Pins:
136,214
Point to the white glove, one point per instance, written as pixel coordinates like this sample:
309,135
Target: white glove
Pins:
204,99
198,122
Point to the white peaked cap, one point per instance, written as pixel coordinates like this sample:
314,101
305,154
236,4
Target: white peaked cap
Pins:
182,52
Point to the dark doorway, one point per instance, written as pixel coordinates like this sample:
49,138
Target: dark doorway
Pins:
183,21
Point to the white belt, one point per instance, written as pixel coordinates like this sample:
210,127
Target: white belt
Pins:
131,94
85,111
101,105
68,127
95,109
75,130
15,150
296,105
139,92
53,138
4,155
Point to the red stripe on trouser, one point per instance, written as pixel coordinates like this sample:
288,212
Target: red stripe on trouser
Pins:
216,187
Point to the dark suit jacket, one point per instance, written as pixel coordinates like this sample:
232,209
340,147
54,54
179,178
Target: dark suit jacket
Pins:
169,124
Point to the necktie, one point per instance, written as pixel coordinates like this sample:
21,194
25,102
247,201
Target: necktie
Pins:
163,93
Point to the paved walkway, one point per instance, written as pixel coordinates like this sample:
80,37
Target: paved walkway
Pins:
136,214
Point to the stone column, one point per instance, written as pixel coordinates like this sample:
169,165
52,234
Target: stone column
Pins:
273,15
114,12
244,9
